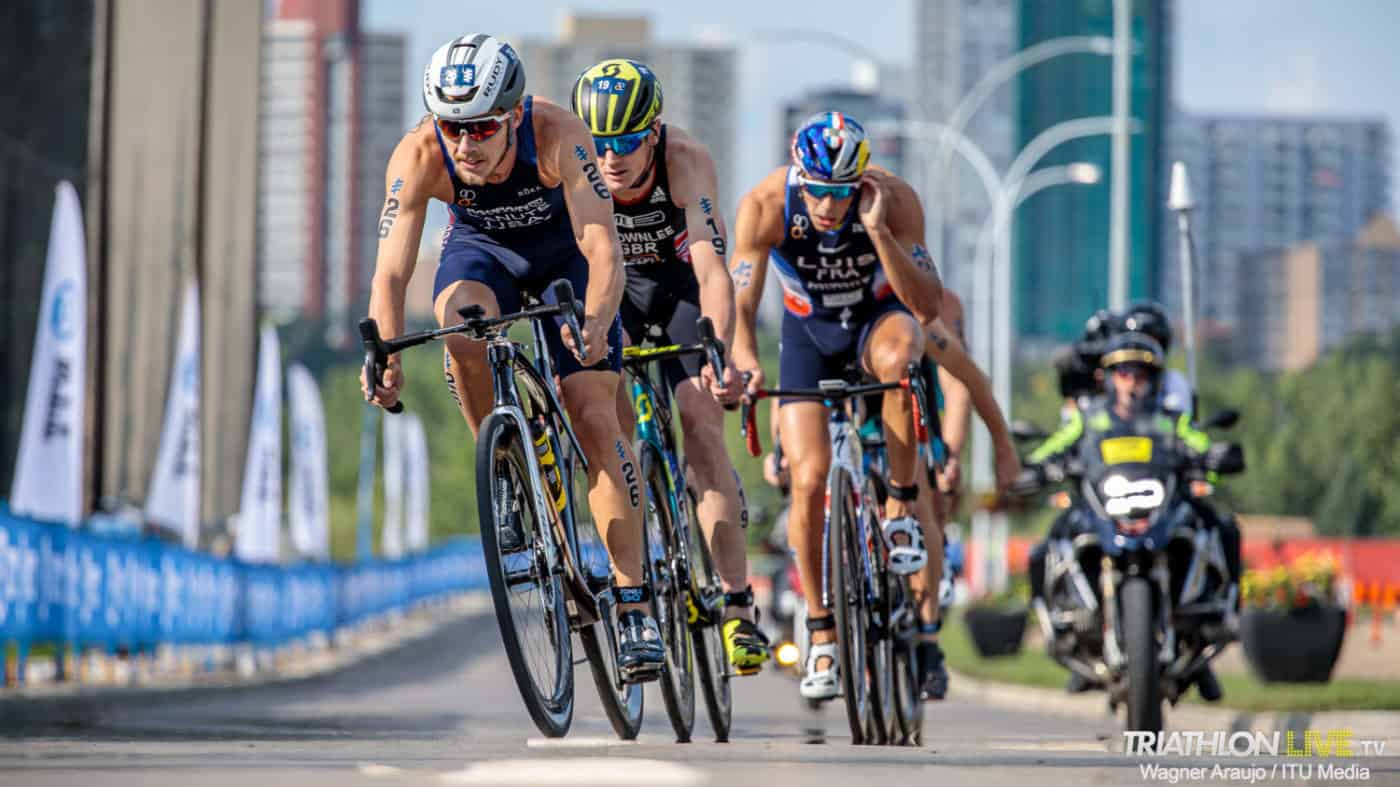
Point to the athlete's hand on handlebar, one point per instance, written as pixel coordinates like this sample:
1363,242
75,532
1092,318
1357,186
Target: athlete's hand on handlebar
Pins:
727,391
595,340
386,393
1008,470
752,376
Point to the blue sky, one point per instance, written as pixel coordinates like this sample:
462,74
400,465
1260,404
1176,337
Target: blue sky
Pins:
1295,56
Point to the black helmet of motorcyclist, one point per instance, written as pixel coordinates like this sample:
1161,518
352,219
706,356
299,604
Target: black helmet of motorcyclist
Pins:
1100,325
1132,363
1150,318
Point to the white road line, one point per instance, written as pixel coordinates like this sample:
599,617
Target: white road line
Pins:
1094,746
375,769
611,771
575,743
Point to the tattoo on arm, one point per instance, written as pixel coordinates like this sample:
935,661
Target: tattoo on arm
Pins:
590,169
707,206
958,329
391,212
939,340
922,258
742,274
396,186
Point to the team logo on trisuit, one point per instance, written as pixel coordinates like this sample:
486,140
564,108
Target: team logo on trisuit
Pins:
466,197
645,220
658,195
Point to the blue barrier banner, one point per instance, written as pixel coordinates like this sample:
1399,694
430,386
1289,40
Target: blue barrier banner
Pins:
58,584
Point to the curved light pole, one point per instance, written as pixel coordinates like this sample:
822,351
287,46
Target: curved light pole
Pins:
1026,160
995,77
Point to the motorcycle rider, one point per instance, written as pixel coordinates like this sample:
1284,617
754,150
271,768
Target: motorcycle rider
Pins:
1133,397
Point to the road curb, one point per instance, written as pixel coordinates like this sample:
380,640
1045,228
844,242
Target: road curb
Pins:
354,648
1371,725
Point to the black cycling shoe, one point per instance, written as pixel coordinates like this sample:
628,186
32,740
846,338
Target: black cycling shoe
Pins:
510,535
1208,685
1077,684
642,653
933,676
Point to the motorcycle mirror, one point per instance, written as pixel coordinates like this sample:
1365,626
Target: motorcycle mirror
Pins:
1027,431
1223,420
1225,458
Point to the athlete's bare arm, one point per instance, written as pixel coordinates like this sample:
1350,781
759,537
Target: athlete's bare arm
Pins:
957,401
950,354
414,174
566,153
893,217
758,227
695,187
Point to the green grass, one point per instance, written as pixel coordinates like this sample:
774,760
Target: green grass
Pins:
1031,667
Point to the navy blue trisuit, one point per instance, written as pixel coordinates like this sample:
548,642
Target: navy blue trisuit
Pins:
516,237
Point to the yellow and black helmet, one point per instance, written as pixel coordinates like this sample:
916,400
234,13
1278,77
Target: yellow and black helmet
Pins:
617,97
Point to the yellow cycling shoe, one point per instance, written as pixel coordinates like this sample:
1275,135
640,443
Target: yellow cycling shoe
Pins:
746,645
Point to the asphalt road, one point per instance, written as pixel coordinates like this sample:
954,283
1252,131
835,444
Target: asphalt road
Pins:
445,710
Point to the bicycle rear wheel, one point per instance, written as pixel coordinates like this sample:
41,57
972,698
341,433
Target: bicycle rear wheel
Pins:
527,591
846,582
666,574
707,594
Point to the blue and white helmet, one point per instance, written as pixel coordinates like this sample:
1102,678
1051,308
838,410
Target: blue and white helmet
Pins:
832,147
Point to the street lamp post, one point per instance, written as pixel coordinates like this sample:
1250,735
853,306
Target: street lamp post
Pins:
1118,168
997,75
987,529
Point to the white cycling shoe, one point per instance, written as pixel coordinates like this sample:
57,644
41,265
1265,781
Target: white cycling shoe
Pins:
821,684
910,558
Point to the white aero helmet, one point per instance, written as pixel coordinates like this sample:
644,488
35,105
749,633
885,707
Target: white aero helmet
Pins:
472,76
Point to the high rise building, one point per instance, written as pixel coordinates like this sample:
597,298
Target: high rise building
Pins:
1297,303
1269,182
1061,246
698,82
956,43
332,114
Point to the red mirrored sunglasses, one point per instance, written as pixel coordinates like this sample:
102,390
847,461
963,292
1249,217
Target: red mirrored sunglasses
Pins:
476,129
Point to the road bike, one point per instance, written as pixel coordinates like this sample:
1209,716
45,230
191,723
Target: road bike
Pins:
547,566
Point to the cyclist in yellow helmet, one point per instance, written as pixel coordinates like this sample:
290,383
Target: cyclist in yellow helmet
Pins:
665,203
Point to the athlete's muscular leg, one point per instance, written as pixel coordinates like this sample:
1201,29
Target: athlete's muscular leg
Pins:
626,416
896,341
466,358
809,456
702,422
614,479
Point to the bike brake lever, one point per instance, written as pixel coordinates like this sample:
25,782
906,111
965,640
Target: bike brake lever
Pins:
569,309
376,358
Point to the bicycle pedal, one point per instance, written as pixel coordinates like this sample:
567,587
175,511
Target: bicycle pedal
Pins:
742,673
635,675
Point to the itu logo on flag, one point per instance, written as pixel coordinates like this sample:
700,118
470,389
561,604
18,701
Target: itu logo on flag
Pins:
460,76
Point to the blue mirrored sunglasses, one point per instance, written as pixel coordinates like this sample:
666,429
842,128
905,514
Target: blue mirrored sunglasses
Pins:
621,144
820,190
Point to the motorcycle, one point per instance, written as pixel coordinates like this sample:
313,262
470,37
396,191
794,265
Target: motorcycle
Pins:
1136,597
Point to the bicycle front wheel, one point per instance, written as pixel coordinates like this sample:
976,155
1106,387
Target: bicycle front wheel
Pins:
846,583
707,594
527,590
666,572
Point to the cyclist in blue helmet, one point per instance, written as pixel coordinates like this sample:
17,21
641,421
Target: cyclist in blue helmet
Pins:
859,287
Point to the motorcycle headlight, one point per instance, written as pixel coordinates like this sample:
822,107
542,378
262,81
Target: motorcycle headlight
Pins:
1122,497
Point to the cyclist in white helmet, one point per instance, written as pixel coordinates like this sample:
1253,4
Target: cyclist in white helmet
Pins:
528,206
